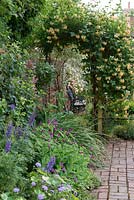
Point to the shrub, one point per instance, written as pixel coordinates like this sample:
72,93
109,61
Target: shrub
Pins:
11,172
124,131
16,87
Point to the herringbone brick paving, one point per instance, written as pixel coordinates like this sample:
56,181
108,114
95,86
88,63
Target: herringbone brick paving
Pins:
117,177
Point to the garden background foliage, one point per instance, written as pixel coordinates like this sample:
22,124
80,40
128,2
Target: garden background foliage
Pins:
47,151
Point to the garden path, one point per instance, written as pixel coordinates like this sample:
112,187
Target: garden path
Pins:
117,177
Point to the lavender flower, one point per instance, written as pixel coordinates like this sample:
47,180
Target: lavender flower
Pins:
33,184
38,164
16,190
40,197
9,130
8,146
32,119
44,187
50,164
12,106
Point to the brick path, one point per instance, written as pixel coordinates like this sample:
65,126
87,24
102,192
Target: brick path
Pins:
117,177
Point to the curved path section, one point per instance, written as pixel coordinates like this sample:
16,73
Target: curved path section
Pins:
117,177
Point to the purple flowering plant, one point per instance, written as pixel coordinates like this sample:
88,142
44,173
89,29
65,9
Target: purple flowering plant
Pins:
50,165
8,146
9,130
49,186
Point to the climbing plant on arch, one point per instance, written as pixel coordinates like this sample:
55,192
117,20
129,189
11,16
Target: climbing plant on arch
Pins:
104,40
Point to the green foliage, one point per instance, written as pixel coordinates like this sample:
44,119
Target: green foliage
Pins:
4,33
61,101
107,66
71,159
52,184
124,131
121,108
84,134
16,14
16,86
44,73
104,40
3,112
11,175
46,141
58,19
